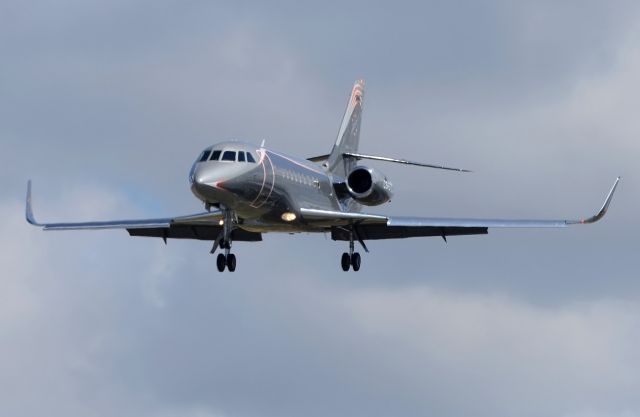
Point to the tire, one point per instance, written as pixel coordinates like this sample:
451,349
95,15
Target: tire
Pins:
221,262
231,262
355,261
345,262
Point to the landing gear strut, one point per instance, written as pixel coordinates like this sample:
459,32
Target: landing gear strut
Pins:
351,259
224,241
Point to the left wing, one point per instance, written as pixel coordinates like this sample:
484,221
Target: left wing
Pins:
201,226
372,226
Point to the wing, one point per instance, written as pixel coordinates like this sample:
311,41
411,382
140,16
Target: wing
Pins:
372,226
201,226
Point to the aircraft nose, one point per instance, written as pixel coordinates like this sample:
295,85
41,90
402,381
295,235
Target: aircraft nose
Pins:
206,177
208,183
220,181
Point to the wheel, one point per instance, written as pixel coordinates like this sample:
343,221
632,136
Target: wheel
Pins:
355,261
231,262
221,262
346,261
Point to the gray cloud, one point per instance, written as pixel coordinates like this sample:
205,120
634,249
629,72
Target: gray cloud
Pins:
105,105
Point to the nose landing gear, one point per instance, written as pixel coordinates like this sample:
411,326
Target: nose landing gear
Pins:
227,259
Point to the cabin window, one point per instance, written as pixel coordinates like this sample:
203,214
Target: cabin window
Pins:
241,156
250,158
205,156
229,156
215,155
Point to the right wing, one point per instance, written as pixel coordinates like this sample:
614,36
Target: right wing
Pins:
200,226
373,226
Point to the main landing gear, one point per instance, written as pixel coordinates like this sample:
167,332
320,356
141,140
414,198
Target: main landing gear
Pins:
351,259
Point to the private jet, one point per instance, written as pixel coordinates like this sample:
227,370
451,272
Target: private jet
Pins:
248,190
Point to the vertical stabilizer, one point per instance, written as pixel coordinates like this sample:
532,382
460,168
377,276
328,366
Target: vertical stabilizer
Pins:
349,133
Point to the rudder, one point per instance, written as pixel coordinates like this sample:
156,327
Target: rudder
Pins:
349,133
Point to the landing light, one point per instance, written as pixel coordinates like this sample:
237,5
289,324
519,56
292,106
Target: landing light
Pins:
221,222
287,216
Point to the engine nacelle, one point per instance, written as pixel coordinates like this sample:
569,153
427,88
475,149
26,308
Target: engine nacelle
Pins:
368,186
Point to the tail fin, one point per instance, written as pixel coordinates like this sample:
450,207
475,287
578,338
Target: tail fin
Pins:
349,133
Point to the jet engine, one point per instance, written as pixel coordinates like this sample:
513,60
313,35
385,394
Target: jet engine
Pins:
368,186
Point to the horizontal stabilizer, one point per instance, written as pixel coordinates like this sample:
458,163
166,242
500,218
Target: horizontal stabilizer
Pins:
319,158
358,156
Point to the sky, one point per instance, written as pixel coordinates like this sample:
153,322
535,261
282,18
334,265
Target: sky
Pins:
105,105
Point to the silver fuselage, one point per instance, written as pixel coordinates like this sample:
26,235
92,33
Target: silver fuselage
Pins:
260,192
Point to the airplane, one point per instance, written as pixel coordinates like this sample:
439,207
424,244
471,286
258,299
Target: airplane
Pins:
249,190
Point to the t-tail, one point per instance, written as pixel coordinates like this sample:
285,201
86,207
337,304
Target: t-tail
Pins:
344,156
349,134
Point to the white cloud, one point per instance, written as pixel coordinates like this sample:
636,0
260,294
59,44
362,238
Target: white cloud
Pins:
500,353
525,323
139,330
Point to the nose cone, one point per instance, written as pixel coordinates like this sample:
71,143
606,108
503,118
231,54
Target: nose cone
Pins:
206,183
205,176
215,182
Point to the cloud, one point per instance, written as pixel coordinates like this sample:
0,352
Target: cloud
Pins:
106,105
99,324
499,354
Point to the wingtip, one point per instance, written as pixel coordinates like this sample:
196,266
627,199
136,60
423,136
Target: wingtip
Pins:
28,209
605,205
610,195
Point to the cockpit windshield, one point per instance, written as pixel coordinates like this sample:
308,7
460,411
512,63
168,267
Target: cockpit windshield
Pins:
205,156
227,156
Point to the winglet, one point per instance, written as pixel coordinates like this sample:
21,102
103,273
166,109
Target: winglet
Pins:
604,208
29,210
